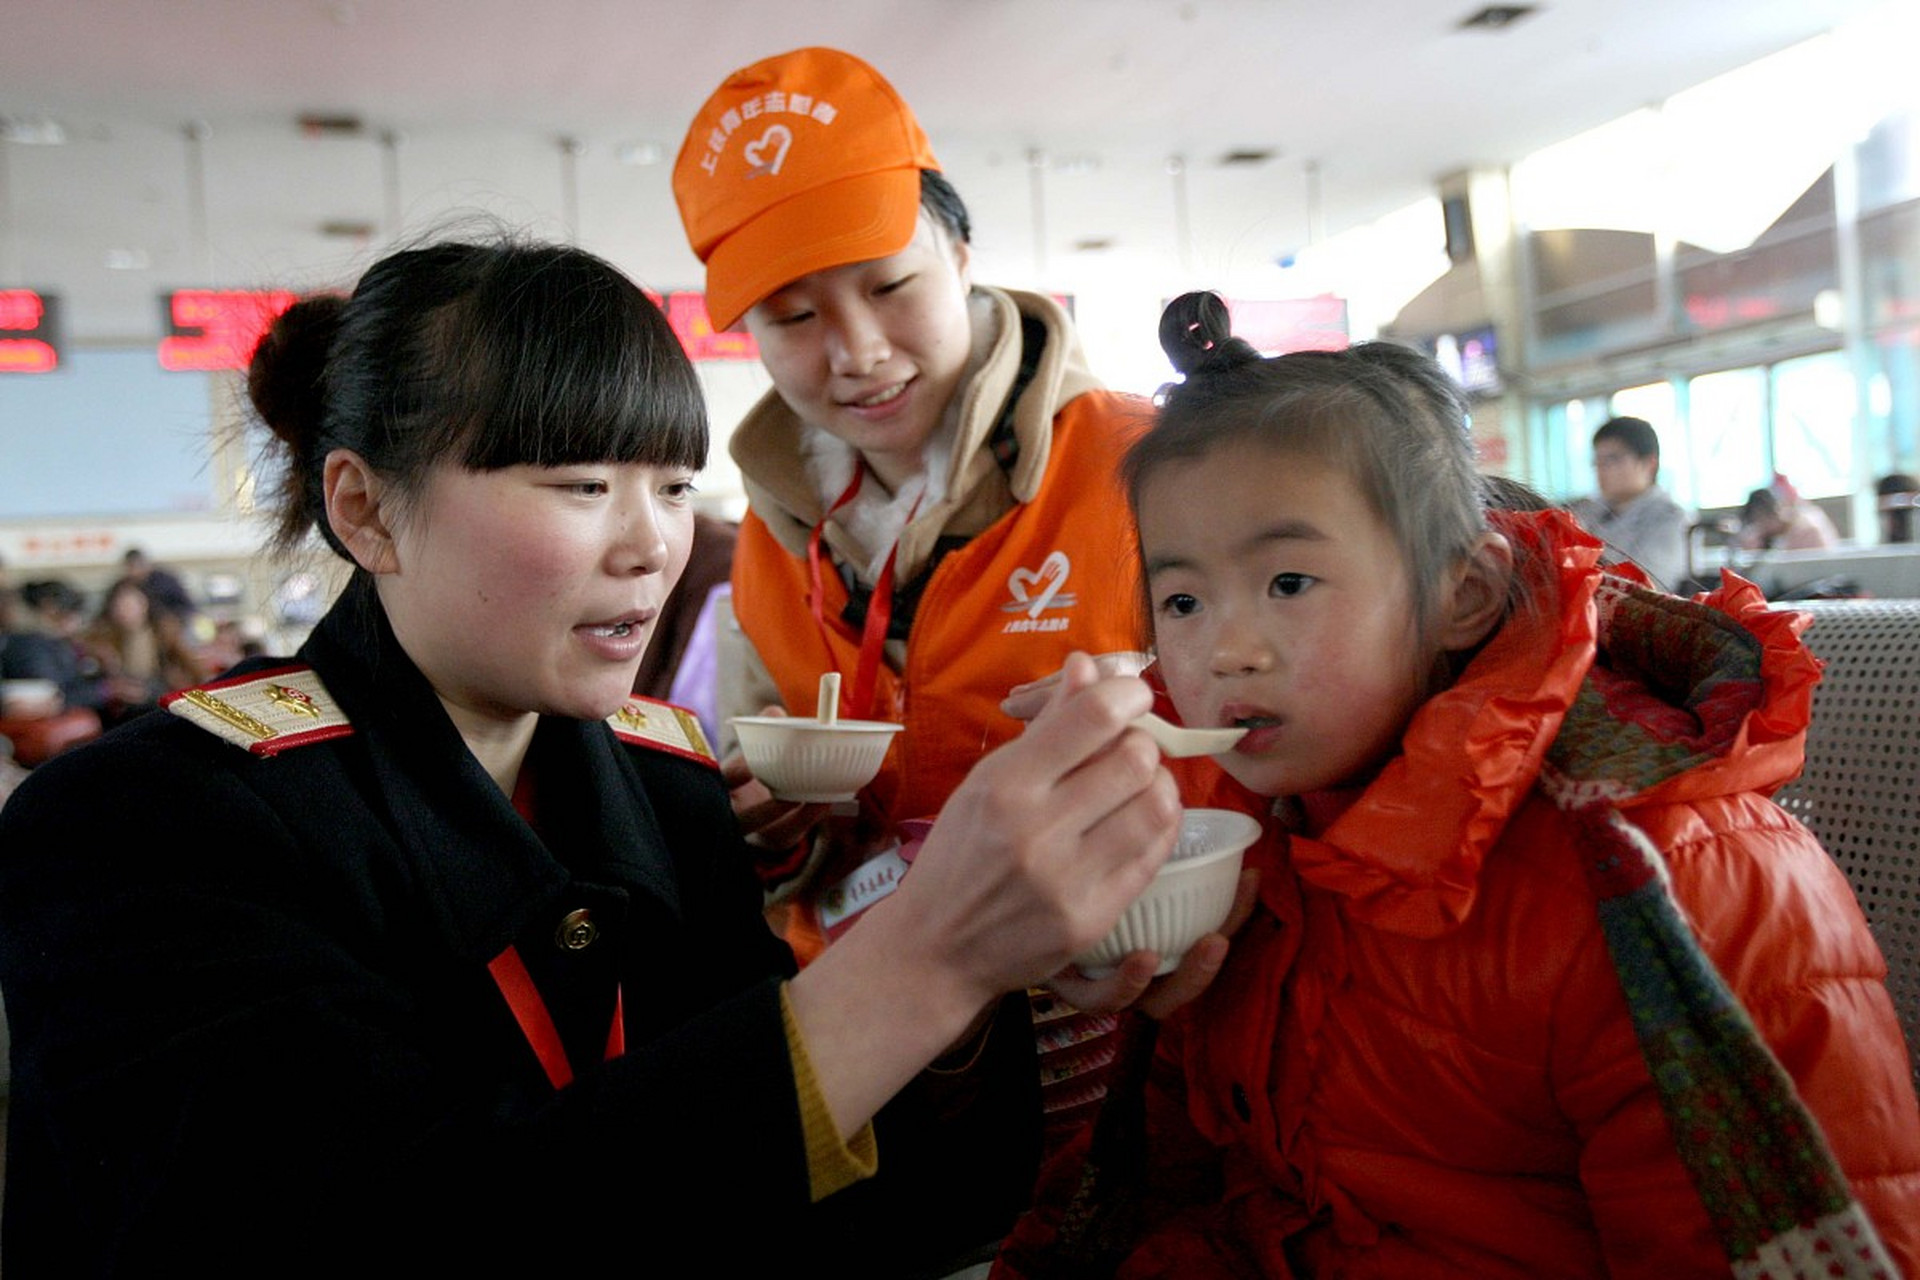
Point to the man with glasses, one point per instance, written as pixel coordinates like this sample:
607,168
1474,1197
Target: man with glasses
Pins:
1632,514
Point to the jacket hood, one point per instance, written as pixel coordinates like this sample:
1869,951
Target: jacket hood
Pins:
1599,689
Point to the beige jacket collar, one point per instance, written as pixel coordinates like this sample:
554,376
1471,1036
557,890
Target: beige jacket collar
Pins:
772,446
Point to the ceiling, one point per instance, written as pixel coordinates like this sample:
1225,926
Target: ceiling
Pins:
184,165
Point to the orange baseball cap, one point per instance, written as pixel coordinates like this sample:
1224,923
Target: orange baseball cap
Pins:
802,161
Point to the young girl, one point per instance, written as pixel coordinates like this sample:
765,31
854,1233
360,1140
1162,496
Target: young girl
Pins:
1454,1040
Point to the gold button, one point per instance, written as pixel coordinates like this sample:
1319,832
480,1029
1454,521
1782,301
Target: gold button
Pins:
577,931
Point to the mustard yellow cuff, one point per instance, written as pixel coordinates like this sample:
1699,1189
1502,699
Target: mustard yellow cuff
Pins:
832,1165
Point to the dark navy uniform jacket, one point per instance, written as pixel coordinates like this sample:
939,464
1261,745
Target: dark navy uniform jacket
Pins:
254,1028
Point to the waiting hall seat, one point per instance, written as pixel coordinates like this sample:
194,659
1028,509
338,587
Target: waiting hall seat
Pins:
37,740
1860,791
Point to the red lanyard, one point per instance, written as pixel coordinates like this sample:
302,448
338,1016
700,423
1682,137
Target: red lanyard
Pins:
536,1024
856,704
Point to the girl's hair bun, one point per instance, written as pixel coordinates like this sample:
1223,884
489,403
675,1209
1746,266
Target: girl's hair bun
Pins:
1197,335
286,377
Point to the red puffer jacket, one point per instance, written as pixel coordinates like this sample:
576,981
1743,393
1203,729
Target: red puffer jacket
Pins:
1419,1062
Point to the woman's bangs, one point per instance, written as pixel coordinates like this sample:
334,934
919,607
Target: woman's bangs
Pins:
582,368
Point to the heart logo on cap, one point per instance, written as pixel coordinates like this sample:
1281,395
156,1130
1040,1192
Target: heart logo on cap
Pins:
769,151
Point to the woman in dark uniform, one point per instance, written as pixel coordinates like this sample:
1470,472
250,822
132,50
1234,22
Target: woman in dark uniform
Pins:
429,948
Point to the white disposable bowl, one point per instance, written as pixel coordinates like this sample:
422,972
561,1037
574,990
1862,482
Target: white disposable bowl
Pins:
1187,900
29,698
801,759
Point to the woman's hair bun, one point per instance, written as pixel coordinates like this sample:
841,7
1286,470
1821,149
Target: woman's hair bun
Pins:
1197,334
286,377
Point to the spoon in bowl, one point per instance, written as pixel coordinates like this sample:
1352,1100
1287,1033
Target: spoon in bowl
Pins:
1178,741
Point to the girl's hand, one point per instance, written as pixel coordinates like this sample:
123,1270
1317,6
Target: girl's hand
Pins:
1132,983
1023,701
775,825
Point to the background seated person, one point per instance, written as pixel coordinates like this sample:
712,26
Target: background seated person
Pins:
1898,493
142,655
166,593
1632,514
679,665
54,616
1775,519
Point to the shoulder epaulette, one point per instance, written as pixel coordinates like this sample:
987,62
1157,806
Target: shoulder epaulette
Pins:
264,711
661,726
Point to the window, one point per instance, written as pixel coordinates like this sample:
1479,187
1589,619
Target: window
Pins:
1726,438
1813,413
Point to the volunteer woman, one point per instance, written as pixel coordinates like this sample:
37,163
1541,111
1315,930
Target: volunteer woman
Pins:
933,509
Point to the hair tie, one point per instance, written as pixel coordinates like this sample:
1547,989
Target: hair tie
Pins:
1191,327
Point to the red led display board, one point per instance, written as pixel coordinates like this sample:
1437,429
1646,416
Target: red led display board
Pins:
216,328
29,331
1294,324
687,313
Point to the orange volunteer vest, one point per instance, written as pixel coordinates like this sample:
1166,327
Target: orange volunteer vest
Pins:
1056,574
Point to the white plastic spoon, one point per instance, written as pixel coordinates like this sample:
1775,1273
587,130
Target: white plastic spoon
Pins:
1179,741
827,708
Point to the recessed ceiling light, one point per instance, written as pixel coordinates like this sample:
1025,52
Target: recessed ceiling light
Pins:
335,124
33,131
127,260
348,229
1093,244
1247,157
1497,17
640,154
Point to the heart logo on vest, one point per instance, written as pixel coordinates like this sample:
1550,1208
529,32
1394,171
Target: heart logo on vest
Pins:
769,151
1049,578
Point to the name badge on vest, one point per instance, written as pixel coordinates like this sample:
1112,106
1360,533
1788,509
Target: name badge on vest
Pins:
841,904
